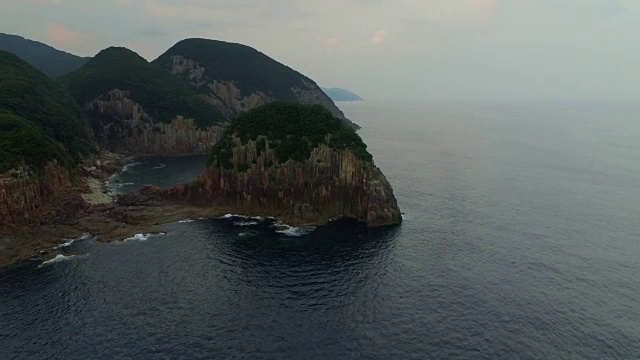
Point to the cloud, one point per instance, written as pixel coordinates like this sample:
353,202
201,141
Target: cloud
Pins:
378,37
59,35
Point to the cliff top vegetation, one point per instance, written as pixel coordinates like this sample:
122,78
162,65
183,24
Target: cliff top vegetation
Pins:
292,130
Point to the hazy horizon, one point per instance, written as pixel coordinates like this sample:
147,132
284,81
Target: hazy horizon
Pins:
437,50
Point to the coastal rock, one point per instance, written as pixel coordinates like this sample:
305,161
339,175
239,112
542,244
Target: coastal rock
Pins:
329,185
26,199
123,126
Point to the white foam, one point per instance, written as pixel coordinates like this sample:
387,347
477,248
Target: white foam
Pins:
245,217
57,259
142,237
185,221
128,167
245,223
160,166
295,231
84,236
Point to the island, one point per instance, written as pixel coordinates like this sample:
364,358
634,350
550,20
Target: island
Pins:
338,94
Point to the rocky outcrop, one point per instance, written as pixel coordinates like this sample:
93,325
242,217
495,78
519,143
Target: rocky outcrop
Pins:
122,125
226,96
27,199
330,185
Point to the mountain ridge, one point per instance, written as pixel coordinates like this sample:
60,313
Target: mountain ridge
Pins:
51,61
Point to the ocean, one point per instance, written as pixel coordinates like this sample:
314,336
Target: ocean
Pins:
520,240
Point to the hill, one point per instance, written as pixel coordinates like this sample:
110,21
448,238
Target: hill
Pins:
338,94
40,121
236,78
51,61
139,108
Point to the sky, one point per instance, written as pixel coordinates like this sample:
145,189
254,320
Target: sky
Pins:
504,50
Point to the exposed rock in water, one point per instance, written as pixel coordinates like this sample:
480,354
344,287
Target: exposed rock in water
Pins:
122,125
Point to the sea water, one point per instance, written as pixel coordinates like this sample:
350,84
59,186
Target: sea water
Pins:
520,240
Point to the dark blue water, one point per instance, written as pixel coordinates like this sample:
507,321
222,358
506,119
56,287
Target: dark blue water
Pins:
520,240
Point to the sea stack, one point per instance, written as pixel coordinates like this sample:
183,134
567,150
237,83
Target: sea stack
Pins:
298,163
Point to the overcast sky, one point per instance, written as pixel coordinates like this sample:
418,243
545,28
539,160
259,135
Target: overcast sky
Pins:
422,49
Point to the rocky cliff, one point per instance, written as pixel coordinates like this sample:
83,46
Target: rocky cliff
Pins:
27,199
121,125
329,185
236,78
295,162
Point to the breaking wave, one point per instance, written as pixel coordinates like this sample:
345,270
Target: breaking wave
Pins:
71,241
231,216
58,258
128,167
295,231
143,237
246,223
160,166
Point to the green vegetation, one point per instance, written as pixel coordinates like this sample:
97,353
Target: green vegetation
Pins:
22,142
32,96
162,95
252,70
52,62
293,130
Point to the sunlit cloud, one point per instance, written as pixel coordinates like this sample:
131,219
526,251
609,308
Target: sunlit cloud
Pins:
378,37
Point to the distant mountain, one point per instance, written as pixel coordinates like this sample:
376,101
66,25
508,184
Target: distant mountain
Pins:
338,94
236,78
52,62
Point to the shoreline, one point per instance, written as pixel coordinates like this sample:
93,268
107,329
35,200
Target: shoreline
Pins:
109,217
122,219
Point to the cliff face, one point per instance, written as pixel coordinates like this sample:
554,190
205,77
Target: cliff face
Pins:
29,200
123,126
329,185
